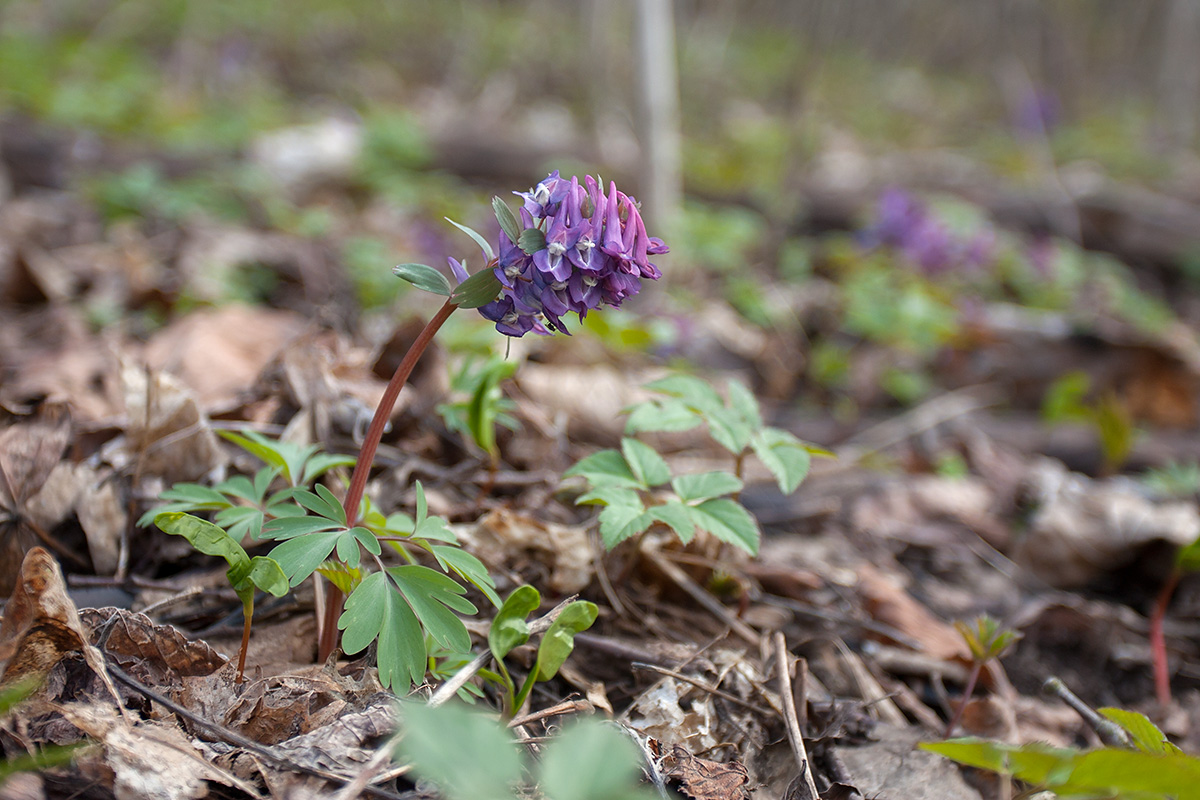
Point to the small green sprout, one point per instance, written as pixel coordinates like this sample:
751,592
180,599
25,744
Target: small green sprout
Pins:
986,640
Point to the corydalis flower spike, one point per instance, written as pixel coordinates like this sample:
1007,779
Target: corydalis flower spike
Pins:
578,249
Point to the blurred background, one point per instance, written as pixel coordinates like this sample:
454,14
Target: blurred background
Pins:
867,203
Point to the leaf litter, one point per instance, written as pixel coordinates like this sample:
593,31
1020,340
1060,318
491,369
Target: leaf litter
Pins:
862,571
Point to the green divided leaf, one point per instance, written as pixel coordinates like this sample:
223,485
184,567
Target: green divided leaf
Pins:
432,595
509,629
728,521
728,429
607,468
667,415
300,556
287,457
375,611
454,559
423,277
479,240
705,485
478,290
647,466
323,504
743,401
468,755
784,455
506,218
559,640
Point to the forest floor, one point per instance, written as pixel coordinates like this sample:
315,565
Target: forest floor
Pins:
127,345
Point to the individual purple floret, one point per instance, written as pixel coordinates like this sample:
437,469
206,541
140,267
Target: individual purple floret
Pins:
593,251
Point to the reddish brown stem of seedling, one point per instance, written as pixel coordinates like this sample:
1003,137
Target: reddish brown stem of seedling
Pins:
247,615
1158,642
327,636
972,678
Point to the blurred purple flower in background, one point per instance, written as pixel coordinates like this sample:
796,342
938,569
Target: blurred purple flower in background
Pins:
905,223
589,249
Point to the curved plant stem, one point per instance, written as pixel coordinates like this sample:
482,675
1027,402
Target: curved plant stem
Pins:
972,678
1158,642
328,634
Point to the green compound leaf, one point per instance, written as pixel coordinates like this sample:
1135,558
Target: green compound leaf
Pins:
668,415
506,218
705,485
728,429
423,277
300,556
478,290
468,755
291,527
240,522
319,464
647,466
743,401
612,496
210,539
694,392
479,240
728,521
432,595
676,516
376,612
784,455
509,628
287,457
606,468
531,240
559,640
620,522
591,760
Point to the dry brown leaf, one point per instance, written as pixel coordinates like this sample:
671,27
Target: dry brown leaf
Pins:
157,655
41,625
702,779
167,430
527,545
887,602
219,353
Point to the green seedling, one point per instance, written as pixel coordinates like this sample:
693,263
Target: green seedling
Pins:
246,575
1067,401
469,756
630,483
484,405
986,640
509,630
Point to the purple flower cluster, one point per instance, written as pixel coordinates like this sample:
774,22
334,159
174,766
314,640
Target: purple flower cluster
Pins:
577,249
904,222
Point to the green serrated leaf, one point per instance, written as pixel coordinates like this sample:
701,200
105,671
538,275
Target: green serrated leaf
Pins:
784,455
1146,735
432,595
618,523
675,515
743,401
376,612
727,429
478,290
605,468
647,466
210,539
509,629
728,521
667,415
506,218
559,640
693,391
479,240
704,485
531,240
612,496
423,277
467,755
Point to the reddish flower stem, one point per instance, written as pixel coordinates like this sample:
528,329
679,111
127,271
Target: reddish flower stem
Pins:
1158,642
972,678
327,636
